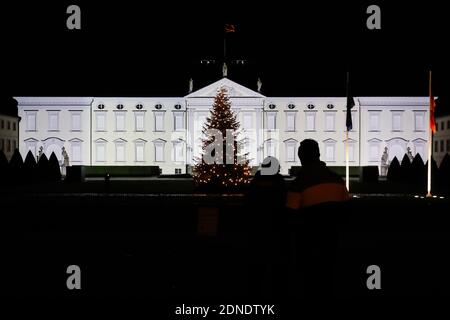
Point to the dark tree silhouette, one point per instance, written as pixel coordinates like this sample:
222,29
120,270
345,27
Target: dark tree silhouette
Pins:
15,167
54,172
30,168
418,177
4,172
405,169
444,173
394,171
43,168
434,174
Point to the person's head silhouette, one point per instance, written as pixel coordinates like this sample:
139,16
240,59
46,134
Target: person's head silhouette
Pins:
270,166
308,152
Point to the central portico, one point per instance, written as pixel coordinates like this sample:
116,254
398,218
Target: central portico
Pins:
248,106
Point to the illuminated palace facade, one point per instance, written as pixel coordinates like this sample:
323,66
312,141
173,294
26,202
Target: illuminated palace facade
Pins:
166,131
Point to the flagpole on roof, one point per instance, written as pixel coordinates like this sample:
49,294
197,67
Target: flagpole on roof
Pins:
347,168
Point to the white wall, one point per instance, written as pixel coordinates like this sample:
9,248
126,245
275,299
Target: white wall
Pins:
148,136
53,140
246,103
397,141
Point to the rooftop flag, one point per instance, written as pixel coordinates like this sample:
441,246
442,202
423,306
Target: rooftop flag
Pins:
350,104
230,28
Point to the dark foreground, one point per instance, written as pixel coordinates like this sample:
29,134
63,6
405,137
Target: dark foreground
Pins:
169,248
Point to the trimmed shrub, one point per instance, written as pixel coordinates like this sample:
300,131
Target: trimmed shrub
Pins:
394,171
43,168
405,169
30,168
15,167
54,171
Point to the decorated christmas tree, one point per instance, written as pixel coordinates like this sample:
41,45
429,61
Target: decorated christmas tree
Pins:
221,165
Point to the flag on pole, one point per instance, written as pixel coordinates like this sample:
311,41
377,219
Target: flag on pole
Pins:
230,28
432,110
430,141
350,104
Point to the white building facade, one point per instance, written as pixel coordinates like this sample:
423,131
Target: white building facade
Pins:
166,132
441,139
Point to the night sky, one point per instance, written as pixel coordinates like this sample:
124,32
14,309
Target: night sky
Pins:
298,48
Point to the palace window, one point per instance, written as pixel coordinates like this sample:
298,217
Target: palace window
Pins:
374,150
139,146
374,120
419,121
290,121
100,121
120,121
290,148
139,120
271,118
178,121
310,118
100,150
159,150
330,121
330,150
75,150
75,120
159,120
120,150
31,145
31,120
271,148
397,118
178,154
53,120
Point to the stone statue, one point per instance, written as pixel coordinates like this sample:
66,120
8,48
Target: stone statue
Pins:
65,157
259,84
191,85
384,162
65,163
224,70
385,156
409,154
40,152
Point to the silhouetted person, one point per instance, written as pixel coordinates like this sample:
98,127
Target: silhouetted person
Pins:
265,201
316,198
315,183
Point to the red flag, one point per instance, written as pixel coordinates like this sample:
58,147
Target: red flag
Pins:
229,28
432,110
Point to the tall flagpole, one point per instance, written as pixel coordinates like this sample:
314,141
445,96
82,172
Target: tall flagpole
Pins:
347,169
430,143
